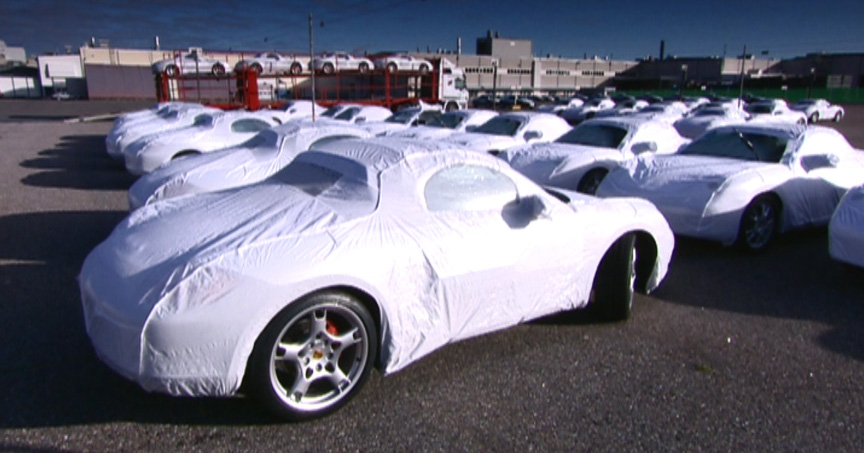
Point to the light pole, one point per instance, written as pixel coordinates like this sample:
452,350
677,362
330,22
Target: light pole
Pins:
683,81
812,81
311,66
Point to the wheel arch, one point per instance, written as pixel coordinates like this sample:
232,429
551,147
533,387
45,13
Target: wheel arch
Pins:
778,202
364,297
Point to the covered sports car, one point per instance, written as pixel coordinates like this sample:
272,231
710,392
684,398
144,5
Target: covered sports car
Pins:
846,230
745,183
449,123
209,132
511,129
250,162
581,158
358,253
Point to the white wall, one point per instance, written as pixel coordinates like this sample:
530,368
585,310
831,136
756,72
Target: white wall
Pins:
19,87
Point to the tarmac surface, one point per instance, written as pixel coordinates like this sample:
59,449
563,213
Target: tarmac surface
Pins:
734,352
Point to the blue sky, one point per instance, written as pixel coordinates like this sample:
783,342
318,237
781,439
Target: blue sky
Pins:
576,28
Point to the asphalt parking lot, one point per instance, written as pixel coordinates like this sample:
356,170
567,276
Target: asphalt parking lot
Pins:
734,352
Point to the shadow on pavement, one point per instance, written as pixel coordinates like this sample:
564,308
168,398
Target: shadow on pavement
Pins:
78,162
48,371
794,279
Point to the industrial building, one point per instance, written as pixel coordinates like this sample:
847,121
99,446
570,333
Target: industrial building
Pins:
501,65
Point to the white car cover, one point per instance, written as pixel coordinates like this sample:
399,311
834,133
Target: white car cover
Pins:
705,195
601,143
707,118
846,230
209,133
172,116
511,129
247,163
176,296
446,125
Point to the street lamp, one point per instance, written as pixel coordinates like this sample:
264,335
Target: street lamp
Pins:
812,80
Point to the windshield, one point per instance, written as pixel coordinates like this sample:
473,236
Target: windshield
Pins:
806,102
348,114
332,111
760,109
447,120
403,117
500,126
599,135
711,112
264,144
341,183
733,144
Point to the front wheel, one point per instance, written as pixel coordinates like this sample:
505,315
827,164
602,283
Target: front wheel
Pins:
328,68
591,181
424,69
171,71
364,68
314,356
758,224
838,116
296,69
615,280
814,117
392,68
218,70
256,68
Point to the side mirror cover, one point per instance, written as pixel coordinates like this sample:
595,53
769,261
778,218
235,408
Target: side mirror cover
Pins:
642,147
532,135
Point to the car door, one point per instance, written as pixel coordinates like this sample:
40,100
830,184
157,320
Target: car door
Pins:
499,258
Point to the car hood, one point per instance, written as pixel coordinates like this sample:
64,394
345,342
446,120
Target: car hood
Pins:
675,180
483,142
201,171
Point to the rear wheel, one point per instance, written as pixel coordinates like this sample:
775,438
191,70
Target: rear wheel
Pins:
838,116
424,69
218,70
314,356
296,69
615,280
814,118
171,70
392,68
327,68
591,181
363,67
759,224
256,68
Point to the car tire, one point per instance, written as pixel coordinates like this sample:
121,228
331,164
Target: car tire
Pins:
591,181
759,224
328,68
171,70
814,118
451,106
392,68
363,68
302,385
838,116
424,69
802,121
218,70
615,280
296,69
256,68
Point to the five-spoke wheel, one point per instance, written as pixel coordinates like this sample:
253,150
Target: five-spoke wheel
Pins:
314,356
758,223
